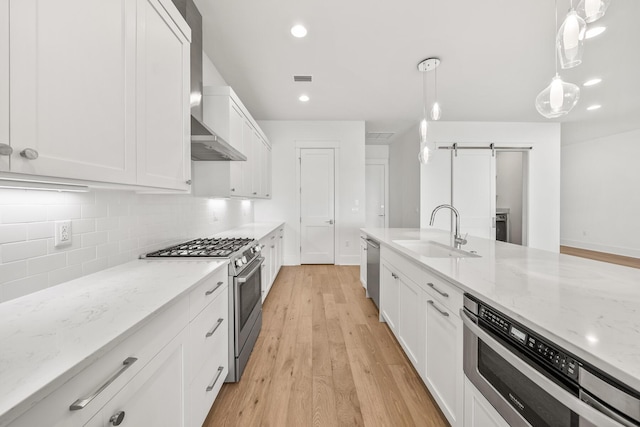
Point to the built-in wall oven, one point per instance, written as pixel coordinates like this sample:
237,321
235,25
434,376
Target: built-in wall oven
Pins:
245,290
531,381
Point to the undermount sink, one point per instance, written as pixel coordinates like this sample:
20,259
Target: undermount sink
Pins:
432,249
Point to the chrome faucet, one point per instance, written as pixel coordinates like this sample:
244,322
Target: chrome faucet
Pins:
459,240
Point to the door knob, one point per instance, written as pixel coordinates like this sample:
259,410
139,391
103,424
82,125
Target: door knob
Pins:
330,221
5,150
29,154
117,418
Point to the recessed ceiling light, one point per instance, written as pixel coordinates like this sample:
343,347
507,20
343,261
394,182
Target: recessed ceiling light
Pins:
298,31
592,82
304,98
594,107
593,32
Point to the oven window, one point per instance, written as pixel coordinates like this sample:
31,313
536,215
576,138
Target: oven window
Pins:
250,293
533,403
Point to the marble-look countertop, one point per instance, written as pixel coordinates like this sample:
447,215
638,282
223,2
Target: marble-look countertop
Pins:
590,308
253,230
49,336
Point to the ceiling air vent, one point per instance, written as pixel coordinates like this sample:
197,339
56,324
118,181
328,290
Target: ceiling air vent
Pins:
379,136
301,79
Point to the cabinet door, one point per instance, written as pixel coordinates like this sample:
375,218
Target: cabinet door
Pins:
280,251
236,126
267,174
272,260
411,322
4,84
72,66
155,396
389,297
444,375
256,165
478,412
163,136
247,144
363,261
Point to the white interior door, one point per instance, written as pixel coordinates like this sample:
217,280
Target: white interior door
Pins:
376,204
317,192
474,190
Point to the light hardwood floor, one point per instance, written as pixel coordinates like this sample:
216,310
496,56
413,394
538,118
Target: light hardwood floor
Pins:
323,359
601,256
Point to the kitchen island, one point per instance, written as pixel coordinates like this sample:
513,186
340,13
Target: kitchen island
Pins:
587,307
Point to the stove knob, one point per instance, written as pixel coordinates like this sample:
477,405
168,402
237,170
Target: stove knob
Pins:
244,259
257,248
238,262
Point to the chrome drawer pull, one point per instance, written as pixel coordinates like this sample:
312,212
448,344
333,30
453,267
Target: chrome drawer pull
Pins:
215,380
444,313
394,275
444,294
209,292
211,332
81,403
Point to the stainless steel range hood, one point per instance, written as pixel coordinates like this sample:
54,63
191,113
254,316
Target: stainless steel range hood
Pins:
206,145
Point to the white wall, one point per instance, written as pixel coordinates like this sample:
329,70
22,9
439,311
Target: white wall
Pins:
108,228
349,137
376,152
543,174
601,194
404,181
210,74
509,190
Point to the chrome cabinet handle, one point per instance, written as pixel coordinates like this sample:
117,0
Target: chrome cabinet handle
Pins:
444,294
233,189
29,154
394,275
117,418
213,331
272,246
188,182
210,291
268,195
281,237
5,150
215,380
254,193
444,313
273,237
81,403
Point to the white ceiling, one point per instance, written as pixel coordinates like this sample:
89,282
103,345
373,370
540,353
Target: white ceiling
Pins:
496,56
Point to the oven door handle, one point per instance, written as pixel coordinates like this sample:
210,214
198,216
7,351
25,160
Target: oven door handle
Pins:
245,277
572,402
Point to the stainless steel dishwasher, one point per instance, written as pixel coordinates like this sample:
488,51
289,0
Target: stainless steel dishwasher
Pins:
373,271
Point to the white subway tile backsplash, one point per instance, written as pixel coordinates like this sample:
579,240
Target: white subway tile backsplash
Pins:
13,271
47,263
13,233
23,250
23,213
40,230
108,228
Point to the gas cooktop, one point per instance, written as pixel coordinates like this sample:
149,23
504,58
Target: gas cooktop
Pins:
211,248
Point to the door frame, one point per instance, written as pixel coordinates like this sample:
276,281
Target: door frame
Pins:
385,163
319,144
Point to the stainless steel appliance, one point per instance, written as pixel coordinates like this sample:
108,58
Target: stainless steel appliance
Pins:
533,382
373,271
245,290
502,227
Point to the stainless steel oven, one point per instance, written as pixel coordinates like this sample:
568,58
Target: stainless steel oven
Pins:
531,381
247,307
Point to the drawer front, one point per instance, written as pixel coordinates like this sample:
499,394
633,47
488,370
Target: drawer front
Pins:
208,290
207,385
143,345
208,333
438,289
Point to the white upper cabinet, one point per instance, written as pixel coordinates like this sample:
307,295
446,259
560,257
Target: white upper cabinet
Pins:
4,86
163,98
98,90
72,66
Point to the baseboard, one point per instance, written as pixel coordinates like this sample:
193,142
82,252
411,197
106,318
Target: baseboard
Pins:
601,256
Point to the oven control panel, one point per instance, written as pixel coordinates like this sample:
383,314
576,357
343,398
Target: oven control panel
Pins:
523,337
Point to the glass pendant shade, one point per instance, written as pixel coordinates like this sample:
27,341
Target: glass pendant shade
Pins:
557,99
592,10
426,147
436,112
570,40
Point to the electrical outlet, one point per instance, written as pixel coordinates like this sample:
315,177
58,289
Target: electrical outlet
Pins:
63,234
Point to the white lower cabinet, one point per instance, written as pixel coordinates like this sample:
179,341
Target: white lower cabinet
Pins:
272,251
443,371
478,412
422,312
363,261
154,397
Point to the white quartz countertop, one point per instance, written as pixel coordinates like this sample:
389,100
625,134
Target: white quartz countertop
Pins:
254,230
590,308
49,336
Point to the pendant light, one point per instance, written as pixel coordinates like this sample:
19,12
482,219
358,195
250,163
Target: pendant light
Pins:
592,10
559,97
426,146
436,112
570,40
